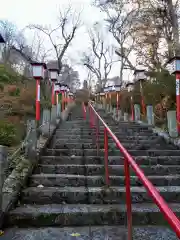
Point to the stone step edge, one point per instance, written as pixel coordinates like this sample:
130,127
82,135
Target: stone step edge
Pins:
86,208
46,175
169,189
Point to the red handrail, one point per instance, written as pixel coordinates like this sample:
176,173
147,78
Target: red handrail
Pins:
153,192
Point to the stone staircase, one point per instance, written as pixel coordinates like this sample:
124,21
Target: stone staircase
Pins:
66,197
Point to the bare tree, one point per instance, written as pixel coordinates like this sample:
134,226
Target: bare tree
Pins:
12,37
100,59
90,80
62,35
166,19
151,25
119,21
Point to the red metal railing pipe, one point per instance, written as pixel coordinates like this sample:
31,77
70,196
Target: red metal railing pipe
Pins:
153,192
128,198
106,156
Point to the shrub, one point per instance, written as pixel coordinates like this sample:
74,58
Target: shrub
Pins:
14,92
1,87
4,78
7,133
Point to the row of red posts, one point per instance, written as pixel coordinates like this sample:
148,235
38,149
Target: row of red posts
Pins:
58,89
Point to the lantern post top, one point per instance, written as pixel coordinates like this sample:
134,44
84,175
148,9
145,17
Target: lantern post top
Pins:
38,70
129,84
136,71
139,75
54,70
112,88
173,65
39,64
175,58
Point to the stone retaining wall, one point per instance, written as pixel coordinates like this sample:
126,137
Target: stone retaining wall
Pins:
24,167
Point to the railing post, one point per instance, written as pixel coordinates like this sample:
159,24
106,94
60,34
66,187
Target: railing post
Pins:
97,135
90,117
106,156
119,115
58,109
31,145
53,114
150,114
46,116
128,198
137,112
126,119
172,124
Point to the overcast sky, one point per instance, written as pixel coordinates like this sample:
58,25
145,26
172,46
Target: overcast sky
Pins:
24,12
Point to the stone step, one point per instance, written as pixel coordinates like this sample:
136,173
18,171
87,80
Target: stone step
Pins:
123,137
74,180
83,215
90,233
87,169
113,160
119,134
134,146
101,129
96,195
114,152
90,140
71,159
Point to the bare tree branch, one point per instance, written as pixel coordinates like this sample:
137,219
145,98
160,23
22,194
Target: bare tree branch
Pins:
65,31
99,61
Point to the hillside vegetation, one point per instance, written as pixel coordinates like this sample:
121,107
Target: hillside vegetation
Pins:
17,104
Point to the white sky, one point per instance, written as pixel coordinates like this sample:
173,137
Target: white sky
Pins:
24,12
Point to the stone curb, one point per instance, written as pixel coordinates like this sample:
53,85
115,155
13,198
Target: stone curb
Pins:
18,178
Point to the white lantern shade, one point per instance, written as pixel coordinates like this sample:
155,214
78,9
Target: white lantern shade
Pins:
38,70
106,89
109,88
62,88
56,88
113,88
173,65
140,75
130,87
53,74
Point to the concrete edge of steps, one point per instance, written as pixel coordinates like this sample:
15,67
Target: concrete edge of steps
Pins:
87,214
90,233
10,194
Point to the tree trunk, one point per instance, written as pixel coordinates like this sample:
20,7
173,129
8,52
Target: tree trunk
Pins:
175,27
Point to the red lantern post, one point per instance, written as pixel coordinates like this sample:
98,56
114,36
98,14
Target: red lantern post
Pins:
53,77
130,88
173,66
38,74
140,76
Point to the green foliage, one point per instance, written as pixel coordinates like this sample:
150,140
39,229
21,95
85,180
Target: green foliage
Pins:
163,85
7,133
1,87
46,104
15,93
8,75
